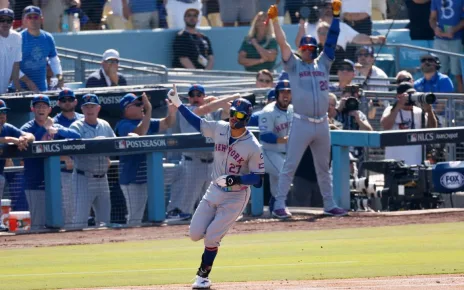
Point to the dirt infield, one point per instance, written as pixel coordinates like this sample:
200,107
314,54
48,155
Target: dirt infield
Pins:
246,225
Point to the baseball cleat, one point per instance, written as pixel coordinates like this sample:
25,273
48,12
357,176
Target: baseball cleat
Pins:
281,213
336,211
201,283
178,215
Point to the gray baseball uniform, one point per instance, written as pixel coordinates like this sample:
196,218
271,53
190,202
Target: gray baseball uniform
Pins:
220,206
310,99
194,171
90,182
276,121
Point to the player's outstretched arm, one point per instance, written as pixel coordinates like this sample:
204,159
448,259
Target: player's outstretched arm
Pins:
285,48
219,103
67,133
334,30
190,116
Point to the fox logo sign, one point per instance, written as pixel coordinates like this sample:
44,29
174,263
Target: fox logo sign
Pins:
452,180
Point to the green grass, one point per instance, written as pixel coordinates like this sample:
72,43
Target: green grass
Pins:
367,252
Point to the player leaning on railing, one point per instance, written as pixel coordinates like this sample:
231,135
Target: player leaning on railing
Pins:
238,163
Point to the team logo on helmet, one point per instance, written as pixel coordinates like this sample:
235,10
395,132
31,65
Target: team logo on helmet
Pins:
308,39
238,103
285,84
2,103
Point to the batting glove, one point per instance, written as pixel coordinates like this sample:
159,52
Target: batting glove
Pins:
228,180
336,8
174,98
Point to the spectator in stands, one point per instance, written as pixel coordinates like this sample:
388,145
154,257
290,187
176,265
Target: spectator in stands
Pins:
347,34
137,121
38,45
419,13
10,54
379,9
192,49
240,11
345,73
366,68
43,129
53,11
177,10
107,75
195,167
144,14
211,12
119,15
295,6
264,79
402,116
446,21
94,11
259,48
10,134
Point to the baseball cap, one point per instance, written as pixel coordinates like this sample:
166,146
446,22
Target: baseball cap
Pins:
90,99
66,93
128,99
40,99
191,9
346,62
7,12
3,106
110,53
405,87
196,87
271,95
32,10
366,48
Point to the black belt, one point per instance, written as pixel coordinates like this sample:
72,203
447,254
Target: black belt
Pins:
66,170
202,160
89,174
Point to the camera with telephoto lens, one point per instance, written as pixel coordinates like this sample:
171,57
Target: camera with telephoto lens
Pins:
421,98
352,103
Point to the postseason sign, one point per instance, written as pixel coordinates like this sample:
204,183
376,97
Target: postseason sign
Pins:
426,136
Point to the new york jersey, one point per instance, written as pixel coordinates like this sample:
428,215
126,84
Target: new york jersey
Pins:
276,121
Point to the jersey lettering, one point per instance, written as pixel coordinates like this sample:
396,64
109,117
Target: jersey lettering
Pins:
235,169
316,73
323,85
447,11
282,126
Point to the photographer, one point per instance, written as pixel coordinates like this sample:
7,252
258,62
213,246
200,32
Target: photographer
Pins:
404,115
355,92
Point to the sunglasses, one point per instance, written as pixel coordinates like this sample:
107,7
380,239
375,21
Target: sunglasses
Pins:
427,59
308,48
6,20
33,17
399,81
237,114
112,61
193,95
264,81
67,100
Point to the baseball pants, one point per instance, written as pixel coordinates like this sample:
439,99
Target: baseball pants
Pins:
195,177
91,192
36,202
216,213
66,190
304,133
136,199
2,185
273,164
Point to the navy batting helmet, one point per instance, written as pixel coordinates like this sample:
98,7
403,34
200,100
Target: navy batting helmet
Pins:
271,95
309,42
282,86
241,109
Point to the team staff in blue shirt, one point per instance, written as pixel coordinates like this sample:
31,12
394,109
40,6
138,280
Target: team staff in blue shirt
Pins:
137,121
38,45
10,134
43,129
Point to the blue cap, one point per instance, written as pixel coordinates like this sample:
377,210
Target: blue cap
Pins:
7,12
308,40
66,93
90,99
283,76
271,95
347,62
196,87
127,99
369,50
32,10
40,99
3,106
283,86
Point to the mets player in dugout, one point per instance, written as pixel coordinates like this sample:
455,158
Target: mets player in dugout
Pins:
238,164
309,76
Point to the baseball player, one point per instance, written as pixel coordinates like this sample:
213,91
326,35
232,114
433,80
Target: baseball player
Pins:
195,167
43,129
10,134
310,76
90,182
137,121
67,103
238,163
274,125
